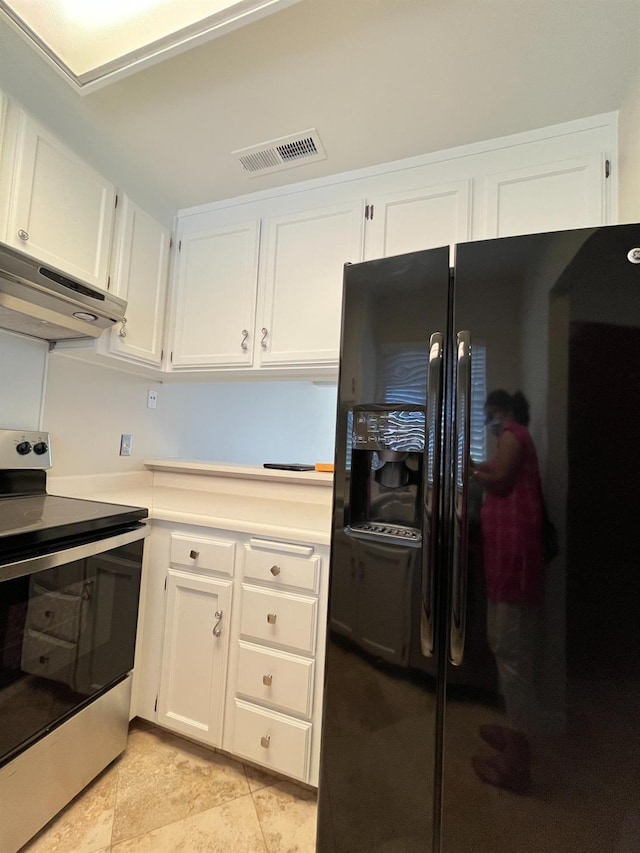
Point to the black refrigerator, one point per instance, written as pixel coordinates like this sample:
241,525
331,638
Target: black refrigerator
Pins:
422,750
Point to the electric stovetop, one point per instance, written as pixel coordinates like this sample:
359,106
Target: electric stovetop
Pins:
33,522
28,521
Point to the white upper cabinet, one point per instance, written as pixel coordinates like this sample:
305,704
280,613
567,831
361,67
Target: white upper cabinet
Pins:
301,305
418,219
214,308
60,209
139,274
547,197
264,293
258,283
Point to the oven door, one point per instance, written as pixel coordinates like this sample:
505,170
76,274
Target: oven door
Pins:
67,633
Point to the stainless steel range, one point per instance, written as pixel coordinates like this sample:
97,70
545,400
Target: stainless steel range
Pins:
69,589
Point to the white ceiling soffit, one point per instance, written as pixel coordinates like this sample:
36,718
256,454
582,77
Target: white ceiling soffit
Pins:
94,42
282,153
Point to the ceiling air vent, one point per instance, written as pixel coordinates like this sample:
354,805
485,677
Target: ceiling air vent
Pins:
283,153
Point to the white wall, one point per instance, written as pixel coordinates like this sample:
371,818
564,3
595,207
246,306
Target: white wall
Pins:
252,422
87,408
23,365
629,153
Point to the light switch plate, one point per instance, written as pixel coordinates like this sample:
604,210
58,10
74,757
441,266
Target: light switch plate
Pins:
125,444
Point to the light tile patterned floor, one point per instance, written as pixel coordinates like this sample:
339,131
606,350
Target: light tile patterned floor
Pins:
165,794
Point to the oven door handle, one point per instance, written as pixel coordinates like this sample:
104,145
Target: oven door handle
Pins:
31,565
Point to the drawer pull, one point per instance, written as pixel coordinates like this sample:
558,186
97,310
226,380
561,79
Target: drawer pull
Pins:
275,570
271,618
266,680
217,630
265,741
194,554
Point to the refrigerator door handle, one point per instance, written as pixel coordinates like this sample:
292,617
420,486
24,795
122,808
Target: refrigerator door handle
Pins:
431,490
458,614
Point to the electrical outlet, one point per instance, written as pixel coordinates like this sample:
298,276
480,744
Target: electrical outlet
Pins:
125,444
152,399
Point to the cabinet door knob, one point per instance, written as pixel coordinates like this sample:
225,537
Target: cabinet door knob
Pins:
263,342
23,235
271,618
266,680
275,570
265,741
245,335
194,554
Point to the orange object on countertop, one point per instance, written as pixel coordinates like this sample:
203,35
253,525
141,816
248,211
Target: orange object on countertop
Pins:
324,466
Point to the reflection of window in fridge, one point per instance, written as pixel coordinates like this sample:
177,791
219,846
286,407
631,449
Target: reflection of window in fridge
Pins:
403,374
478,435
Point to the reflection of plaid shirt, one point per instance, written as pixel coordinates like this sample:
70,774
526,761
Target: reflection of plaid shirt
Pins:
512,531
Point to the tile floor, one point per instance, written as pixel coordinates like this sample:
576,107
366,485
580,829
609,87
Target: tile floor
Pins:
166,794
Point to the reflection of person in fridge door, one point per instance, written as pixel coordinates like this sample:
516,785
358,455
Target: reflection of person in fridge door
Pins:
511,521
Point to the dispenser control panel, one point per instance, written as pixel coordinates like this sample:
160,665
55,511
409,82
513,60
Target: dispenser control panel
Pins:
389,430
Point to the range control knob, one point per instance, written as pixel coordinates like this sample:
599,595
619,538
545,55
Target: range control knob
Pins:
23,448
40,447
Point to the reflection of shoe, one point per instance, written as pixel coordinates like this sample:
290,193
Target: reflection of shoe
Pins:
502,771
507,740
495,736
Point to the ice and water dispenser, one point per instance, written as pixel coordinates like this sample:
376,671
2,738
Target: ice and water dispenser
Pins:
387,450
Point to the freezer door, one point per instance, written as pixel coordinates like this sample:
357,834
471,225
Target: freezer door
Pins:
542,719
378,782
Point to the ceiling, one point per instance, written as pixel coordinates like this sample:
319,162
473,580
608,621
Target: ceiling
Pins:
380,80
93,44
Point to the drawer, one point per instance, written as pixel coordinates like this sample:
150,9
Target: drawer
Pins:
273,740
276,678
49,658
55,614
282,569
215,555
283,618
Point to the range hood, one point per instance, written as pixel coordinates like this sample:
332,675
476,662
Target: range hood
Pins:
43,302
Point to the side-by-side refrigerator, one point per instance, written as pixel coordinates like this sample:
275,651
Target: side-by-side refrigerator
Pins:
459,717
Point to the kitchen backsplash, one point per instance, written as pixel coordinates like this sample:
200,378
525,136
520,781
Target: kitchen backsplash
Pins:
88,407
23,368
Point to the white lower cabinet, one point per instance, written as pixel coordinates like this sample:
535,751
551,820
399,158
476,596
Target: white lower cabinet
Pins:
279,658
277,741
194,655
277,617
275,678
232,641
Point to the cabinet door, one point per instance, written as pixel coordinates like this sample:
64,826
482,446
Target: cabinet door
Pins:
216,292
139,275
194,655
302,297
61,210
418,219
545,197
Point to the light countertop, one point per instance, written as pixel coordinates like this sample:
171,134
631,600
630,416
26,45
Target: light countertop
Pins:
246,472
283,504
